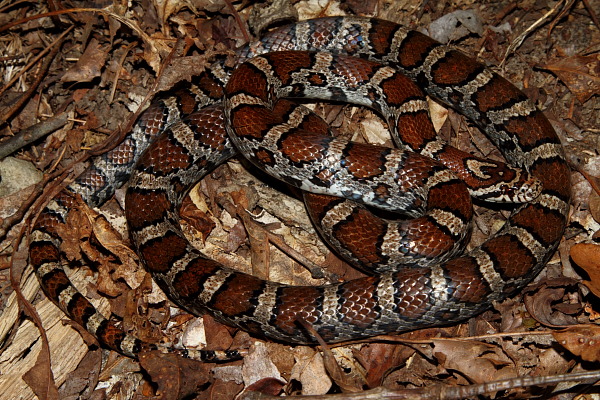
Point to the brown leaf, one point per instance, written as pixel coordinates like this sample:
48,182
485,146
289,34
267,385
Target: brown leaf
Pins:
587,256
479,362
348,382
594,205
89,65
218,335
85,377
40,378
176,377
581,74
379,359
309,370
545,302
269,386
240,233
76,230
110,270
583,341
221,390
196,218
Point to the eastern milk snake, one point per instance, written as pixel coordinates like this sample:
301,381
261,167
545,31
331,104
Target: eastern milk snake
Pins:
436,286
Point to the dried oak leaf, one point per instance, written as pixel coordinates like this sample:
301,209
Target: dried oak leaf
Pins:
167,8
344,369
218,335
88,236
74,232
582,341
181,69
581,74
587,256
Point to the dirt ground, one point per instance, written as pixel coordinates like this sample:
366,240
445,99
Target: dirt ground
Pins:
76,74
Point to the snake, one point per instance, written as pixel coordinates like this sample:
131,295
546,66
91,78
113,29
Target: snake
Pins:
353,59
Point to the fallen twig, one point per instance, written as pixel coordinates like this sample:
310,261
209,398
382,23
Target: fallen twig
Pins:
444,392
31,134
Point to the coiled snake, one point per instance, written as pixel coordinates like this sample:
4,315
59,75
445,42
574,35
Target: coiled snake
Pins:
289,143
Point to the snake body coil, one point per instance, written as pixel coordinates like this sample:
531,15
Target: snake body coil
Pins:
270,132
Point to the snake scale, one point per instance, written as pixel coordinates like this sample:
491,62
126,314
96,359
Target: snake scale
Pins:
351,59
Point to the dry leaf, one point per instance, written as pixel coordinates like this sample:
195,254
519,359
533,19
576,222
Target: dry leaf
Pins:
221,390
594,205
181,69
110,271
353,378
218,335
258,365
40,378
587,256
89,65
270,386
166,8
196,218
581,74
176,377
84,379
545,302
310,371
379,359
583,341
479,362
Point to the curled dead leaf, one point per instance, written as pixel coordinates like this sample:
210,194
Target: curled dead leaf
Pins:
549,302
257,365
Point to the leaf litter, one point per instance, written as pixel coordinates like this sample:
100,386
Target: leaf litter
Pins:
110,64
